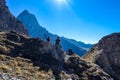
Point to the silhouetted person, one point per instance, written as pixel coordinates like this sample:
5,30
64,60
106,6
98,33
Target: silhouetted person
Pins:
70,52
58,41
48,39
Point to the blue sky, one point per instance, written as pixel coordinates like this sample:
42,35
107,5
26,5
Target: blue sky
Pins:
83,20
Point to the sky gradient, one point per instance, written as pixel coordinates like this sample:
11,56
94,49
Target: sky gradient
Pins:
82,20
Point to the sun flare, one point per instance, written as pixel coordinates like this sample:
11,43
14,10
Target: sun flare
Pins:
61,1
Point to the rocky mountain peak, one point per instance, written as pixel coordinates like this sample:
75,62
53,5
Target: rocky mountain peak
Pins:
8,22
25,12
107,54
31,19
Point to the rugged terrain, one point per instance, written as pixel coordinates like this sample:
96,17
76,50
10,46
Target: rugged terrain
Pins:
107,55
36,30
28,58
8,22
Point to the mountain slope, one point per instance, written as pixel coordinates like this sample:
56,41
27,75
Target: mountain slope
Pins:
107,55
35,30
8,22
26,58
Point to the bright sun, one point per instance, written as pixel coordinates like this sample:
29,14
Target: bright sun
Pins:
61,1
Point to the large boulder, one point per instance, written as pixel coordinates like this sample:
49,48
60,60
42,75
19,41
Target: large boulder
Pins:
107,55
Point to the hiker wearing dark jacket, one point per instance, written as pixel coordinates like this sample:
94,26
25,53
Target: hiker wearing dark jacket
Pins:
58,41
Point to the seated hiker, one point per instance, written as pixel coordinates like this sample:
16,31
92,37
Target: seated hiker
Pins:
70,52
48,39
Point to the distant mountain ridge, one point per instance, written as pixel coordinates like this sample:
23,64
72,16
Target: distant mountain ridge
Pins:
35,30
79,43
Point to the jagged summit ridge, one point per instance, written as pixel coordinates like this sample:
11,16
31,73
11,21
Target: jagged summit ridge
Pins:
25,12
29,19
8,22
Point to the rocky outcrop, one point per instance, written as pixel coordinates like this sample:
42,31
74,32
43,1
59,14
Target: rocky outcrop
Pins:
83,70
26,58
107,55
8,22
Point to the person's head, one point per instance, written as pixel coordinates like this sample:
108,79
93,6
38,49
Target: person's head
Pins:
58,37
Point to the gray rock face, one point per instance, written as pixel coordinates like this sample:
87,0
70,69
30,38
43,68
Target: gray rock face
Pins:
8,22
107,55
